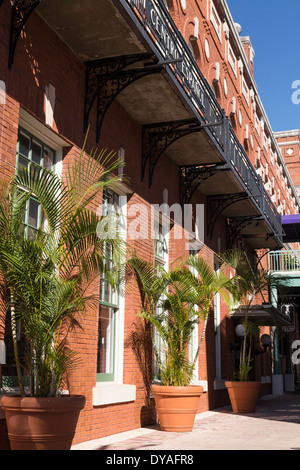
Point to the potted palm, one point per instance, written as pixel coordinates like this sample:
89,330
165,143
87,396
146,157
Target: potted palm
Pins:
45,279
243,392
174,302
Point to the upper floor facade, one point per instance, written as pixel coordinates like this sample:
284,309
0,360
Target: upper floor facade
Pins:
180,68
226,58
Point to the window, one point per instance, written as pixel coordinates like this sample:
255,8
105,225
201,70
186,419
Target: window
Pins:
257,124
217,330
193,346
232,59
31,151
215,19
109,304
160,243
109,387
161,255
245,90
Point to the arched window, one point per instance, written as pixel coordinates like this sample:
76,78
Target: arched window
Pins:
233,121
193,46
216,89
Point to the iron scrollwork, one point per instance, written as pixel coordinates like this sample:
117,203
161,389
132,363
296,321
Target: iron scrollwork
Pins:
191,177
106,78
236,225
218,204
21,11
159,136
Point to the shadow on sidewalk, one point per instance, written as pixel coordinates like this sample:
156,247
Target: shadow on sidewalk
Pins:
278,408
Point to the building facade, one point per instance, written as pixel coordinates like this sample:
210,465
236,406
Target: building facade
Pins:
169,87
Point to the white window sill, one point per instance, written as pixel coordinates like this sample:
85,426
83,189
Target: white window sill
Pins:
108,393
203,383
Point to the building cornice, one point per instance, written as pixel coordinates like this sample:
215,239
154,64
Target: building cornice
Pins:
292,133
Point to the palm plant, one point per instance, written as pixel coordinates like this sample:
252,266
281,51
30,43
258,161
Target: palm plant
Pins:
173,302
250,283
46,277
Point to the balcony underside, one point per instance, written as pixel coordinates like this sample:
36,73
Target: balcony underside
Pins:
96,30
100,33
93,29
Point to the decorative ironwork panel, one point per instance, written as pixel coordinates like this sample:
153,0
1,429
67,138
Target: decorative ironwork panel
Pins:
218,204
236,225
191,177
106,78
21,11
158,137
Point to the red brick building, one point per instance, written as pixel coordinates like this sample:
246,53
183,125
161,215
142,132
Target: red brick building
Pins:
132,70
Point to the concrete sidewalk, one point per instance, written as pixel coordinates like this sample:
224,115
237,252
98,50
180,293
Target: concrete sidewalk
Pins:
274,426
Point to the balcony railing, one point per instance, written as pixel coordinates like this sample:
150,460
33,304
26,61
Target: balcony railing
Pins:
171,48
284,261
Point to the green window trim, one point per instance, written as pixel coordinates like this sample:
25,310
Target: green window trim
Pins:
33,140
26,155
109,299
108,376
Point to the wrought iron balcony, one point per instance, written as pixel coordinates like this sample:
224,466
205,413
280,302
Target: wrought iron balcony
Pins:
158,29
284,261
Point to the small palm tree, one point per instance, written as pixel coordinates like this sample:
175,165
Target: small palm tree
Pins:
45,278
183,296
249,283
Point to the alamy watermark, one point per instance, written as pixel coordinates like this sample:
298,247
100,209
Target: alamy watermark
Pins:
295,358
142,221
296,93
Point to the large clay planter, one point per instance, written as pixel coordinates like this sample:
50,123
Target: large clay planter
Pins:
243,396
41,423
176,406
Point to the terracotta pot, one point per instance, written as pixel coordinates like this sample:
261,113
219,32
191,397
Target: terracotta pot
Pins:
176,406
41,423
243,396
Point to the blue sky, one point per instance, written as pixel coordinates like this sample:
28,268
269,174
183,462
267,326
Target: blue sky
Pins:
273,27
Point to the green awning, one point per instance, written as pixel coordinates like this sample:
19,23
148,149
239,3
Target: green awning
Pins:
262,315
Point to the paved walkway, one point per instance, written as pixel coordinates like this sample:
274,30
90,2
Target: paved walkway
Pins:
274,426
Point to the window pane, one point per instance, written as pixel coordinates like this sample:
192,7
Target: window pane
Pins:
24,144
105,362
48,159
23,163
36,153
32,232
105,290
33,213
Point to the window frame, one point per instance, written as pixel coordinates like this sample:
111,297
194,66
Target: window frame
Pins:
33,139
232,59
160,231
216,20
112,305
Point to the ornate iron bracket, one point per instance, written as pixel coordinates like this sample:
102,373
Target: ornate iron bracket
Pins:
217,205
106,78
159,136
21,11
191,177
236,225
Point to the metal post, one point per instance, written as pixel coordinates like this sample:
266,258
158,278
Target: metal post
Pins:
277,379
